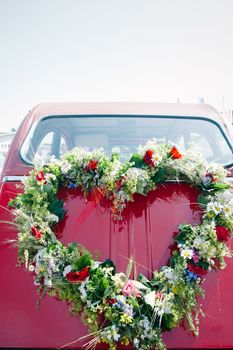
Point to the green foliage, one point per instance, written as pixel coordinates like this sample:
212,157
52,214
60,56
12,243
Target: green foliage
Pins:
56,207
137,160
159,175
84,261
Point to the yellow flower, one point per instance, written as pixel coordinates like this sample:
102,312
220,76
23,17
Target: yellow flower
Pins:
126,319
125,341
41,269
175,290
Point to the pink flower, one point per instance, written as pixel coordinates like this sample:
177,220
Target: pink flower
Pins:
130,290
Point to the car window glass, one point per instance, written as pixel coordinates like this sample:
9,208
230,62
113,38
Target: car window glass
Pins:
53,136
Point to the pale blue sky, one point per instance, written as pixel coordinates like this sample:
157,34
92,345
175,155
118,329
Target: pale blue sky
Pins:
105,50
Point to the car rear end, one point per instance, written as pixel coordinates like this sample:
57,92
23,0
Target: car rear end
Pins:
146,234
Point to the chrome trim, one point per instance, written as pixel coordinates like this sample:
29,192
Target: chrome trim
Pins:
12,178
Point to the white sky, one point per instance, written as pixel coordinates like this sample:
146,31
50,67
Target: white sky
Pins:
121,50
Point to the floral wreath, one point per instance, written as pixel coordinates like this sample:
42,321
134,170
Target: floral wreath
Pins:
118,309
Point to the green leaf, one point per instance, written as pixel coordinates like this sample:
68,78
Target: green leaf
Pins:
72,247
56,207
83,261
184,232
202,200
115,156
144,280
159,176
137,160
167,322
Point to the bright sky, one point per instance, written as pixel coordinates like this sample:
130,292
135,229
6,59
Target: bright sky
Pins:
113,50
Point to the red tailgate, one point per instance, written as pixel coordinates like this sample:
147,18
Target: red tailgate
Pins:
146,233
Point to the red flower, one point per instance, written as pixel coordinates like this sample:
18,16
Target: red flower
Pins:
40,177
93,164
211,177
35,232
78,276
111,301
222,233
197,269
174,247
174,153
118,185
148,157
216,263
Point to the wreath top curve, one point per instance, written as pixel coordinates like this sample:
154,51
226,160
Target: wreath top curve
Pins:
116,308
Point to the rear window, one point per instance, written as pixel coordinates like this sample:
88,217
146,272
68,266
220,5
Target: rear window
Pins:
53,136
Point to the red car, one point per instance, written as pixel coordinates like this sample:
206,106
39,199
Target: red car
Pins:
47,132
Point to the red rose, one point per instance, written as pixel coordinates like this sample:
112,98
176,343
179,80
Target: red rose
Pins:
148,157
174,153
78,276
35,232
40,177
93,164
197,269
222,233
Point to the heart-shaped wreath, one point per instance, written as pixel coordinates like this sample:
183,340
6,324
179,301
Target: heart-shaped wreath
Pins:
118,309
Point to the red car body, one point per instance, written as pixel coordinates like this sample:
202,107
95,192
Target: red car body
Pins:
146,234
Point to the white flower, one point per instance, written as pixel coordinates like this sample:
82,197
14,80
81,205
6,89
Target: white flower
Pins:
186,253
214,207
67,269
150,299
49,176
96,264
227,210
156,158
108,270
138,285
82,289
114,333
198,242
119,279
48,282
31,268
169,273
65,166
26,258
52,218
